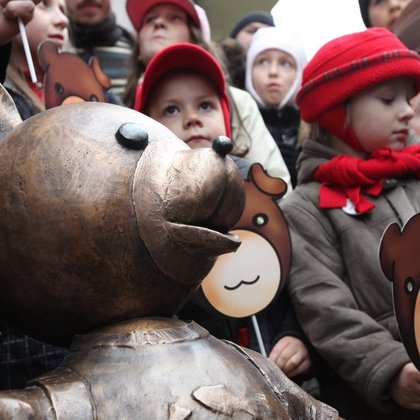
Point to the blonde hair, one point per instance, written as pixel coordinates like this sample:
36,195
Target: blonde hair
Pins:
15,75
315,132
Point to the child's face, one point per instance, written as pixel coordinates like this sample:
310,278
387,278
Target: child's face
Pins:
163,25
385,12
88,12
188,105
49,23
273,74
380,115
245,35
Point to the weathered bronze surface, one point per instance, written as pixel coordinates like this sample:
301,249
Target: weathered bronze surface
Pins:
94,232
104,241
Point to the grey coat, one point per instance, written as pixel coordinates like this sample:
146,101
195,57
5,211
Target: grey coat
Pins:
342,299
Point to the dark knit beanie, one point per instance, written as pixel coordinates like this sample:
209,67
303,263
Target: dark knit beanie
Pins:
262,17
364,10
344,67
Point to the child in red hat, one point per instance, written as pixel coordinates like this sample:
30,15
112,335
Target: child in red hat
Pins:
358,173
184,88
161,23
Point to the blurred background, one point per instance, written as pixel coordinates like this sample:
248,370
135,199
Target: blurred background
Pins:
314,21
222,14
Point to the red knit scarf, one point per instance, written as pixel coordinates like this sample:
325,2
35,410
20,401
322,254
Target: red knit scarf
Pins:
345,177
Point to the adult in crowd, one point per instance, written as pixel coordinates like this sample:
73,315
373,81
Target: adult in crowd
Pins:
94,32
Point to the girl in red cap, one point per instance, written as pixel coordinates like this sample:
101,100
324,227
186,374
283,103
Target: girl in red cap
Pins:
358,173
161,23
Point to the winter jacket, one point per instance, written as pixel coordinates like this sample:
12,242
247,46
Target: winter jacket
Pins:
252,140
341,296
283,124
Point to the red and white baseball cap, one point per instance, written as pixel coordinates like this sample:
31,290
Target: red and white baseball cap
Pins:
184,56
137,9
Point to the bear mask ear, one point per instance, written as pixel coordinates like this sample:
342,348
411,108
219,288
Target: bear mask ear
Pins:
275,187
47,50
101,77
388,250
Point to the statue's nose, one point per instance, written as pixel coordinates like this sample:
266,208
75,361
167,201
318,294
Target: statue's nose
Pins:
222,145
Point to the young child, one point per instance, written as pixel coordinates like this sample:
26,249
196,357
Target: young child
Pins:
357,174
383,13
49,22
184,89
160,23
274,67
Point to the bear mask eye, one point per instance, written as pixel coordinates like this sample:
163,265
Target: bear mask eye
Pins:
409,285
260,220
59,88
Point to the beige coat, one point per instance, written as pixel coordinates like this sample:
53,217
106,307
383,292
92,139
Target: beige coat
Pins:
342,298
252,139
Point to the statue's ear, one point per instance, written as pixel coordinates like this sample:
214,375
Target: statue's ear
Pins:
9,115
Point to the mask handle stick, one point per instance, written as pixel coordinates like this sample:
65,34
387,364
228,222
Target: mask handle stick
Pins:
258,334
27,51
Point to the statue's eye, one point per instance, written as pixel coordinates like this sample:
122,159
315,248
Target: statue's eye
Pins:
132,136
59,88
93,98
409,285
260,220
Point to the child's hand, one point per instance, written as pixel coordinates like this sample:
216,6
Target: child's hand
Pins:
291,356
405,388
10,11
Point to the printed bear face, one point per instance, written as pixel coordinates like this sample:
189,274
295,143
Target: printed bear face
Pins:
244,283
69,79
97,230
400,262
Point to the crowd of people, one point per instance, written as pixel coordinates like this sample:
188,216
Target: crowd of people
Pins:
342,130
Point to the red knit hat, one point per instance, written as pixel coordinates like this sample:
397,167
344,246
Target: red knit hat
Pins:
347,65
184,56
136,10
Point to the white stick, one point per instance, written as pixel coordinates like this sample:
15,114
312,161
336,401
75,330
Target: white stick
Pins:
27,51
258,334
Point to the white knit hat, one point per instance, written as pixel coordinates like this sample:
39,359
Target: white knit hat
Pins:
274,38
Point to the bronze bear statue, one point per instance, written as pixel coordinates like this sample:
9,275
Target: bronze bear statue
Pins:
109,222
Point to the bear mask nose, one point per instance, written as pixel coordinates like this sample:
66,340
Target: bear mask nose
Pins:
132,136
